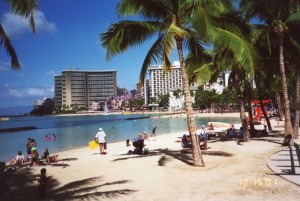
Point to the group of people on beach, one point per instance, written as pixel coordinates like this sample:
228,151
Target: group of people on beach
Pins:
33,157
20,160
140,142
204,136
101,139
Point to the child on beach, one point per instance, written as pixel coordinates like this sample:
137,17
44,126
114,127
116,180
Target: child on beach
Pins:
19,159
42,188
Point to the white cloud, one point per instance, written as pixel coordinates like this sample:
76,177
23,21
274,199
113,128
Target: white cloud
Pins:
4,66
30,92
42,23
51,73
14,25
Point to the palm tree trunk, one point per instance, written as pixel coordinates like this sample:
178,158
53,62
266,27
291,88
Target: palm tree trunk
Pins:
259,88
244,122
196,152
278,101
242,107
296,122
287,119
265,114
249,98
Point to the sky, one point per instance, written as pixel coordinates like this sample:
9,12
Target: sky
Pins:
67,37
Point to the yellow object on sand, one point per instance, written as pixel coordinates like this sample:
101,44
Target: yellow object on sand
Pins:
93,144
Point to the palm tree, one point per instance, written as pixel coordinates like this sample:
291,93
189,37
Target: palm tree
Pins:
276,17
297,113
25,9
180,24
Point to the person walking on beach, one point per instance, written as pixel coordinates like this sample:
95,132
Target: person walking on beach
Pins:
153,132
101,137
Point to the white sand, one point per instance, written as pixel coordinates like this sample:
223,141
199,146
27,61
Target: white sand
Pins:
231,172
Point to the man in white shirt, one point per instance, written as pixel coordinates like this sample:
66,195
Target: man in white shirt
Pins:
101,137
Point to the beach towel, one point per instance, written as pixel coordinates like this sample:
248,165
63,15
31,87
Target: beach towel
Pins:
93,145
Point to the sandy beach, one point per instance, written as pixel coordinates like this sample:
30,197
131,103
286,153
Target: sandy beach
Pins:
231,172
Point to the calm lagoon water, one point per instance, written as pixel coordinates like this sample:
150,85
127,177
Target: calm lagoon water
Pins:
76,131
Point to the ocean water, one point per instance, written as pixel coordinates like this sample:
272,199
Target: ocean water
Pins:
76,131
17,110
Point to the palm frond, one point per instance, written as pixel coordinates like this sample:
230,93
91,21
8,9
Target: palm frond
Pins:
153,10
124,34
256,9
5,42
203,73
169,43
294,18
153,56
25,9
195,46
245,54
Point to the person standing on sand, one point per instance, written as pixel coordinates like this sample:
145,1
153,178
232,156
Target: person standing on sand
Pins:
101,137
42,188
28,146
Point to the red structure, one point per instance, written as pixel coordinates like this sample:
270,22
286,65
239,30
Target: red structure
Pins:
257,110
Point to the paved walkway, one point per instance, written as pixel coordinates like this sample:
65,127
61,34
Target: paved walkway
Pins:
286,163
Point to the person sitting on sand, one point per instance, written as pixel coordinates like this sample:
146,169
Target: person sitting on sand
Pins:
49,159
211,126
186,141
241,135
19,159
230,131
203,137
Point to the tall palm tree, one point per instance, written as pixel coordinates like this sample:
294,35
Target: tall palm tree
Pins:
24,9
276,17
178,24
297,113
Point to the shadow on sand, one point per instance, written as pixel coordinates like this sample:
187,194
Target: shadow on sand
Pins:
23,183
24,186
184,156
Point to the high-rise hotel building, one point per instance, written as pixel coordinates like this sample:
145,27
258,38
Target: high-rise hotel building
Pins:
82,88
160,82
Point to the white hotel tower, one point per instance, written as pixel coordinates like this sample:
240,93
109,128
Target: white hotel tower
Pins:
161,82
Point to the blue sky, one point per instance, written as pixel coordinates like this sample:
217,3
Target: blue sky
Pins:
67,36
